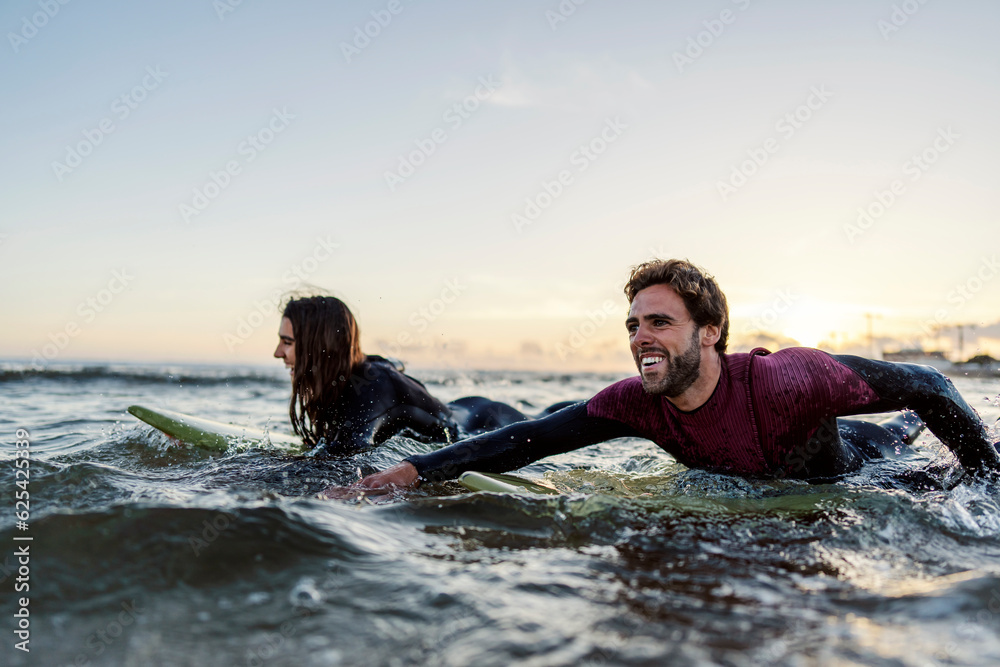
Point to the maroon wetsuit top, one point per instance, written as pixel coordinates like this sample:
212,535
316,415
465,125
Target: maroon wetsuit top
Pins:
771,415
764,406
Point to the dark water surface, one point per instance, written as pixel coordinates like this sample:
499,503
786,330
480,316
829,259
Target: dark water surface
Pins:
148,554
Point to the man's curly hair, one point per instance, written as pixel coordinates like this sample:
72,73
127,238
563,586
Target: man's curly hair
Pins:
701,294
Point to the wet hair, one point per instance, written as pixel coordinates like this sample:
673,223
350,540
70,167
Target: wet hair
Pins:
327,352
701,294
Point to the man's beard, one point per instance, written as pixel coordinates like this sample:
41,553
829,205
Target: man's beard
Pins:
682,371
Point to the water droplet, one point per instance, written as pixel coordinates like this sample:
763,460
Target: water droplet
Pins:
260,597
305,594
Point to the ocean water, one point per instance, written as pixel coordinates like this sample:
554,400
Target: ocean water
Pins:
145,553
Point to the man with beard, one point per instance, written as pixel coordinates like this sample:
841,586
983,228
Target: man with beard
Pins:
753,414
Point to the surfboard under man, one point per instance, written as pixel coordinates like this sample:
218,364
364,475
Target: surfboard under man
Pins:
753,414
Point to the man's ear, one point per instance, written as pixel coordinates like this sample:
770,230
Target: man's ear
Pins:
710,334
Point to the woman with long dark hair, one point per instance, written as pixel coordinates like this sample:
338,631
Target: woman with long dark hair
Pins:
344,401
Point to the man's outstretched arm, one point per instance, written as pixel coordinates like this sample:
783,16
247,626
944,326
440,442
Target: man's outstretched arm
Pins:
509,448
930,394
517,445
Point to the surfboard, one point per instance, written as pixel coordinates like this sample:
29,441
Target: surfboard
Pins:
790,503
209,434
493,482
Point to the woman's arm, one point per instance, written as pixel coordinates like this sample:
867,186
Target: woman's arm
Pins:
380,402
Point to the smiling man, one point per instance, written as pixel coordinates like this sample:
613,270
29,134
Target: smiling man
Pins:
753,414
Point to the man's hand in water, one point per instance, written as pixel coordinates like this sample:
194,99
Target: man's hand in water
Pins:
400,476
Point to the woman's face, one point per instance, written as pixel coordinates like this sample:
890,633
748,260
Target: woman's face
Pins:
286,344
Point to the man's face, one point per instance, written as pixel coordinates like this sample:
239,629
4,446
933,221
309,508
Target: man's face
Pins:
664,340
286,344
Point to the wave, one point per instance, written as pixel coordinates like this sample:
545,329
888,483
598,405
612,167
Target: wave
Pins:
165,374
158,547
224,374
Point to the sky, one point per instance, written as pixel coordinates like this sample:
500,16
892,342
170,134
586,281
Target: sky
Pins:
475,180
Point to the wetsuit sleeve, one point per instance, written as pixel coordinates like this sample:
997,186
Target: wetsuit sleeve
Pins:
519,444
381,402
415,421
409,420
416,412
930,394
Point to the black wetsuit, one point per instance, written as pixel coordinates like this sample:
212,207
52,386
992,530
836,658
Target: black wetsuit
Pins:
380,401
790,434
